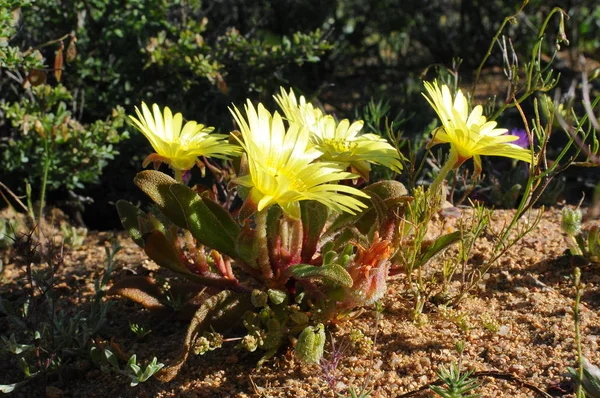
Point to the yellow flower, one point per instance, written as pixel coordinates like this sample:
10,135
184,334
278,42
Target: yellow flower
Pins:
179,147
299,111
341,142
282,168
469,135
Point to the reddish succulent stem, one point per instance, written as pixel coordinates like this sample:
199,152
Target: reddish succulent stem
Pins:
263,248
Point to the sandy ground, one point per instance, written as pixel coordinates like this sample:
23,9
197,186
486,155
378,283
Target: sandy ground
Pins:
517,326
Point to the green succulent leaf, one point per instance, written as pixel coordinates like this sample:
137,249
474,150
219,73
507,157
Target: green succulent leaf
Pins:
314,216
311,341
157,186
161,250
130,217
384,195
333,273
215,229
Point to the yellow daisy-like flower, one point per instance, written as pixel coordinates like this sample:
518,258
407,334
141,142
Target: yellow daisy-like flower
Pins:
179,147
298,110
469,135
341,142
282,167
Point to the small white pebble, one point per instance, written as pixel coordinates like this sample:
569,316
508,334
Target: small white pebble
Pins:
503,331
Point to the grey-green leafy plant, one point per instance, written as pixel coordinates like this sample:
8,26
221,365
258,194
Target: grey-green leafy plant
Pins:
137,373
46,144
73,236
44,338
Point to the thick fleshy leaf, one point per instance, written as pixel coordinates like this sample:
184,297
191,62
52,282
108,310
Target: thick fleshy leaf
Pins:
223,216
219,312
389,194
387,189
130,217
334,273
140,289
309,348
156,185
146,291
374,216
246,246
314,216
204,224
161,251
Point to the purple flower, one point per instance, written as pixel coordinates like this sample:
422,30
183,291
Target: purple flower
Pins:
523,140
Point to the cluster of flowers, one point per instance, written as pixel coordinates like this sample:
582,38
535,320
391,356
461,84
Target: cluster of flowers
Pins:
302,154
290,158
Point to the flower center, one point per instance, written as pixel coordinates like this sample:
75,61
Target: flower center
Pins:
338,145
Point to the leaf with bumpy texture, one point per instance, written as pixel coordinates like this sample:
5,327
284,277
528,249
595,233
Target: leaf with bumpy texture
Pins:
156,185
331,272
311,341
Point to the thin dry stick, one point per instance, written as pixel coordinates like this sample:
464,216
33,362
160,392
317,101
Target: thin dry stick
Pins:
585,90
493,374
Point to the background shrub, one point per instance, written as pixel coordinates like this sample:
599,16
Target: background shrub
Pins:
199,57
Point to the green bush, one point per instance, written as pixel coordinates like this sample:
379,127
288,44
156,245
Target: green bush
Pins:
197,56
43,129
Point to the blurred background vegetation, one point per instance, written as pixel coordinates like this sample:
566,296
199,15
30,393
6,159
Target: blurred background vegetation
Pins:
70,70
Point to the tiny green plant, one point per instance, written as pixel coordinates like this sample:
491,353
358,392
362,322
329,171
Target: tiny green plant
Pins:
138,330
137,373
581,242
457,383
73,236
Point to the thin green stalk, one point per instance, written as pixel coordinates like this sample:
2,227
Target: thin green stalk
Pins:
44,183
577,319
539,42
494,40
449,165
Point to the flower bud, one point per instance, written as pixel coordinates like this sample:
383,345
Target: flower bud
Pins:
571,221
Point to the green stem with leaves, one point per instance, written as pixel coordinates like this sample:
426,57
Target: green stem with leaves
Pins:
508,19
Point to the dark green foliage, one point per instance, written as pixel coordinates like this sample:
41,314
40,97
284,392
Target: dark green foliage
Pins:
198,57
40,128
